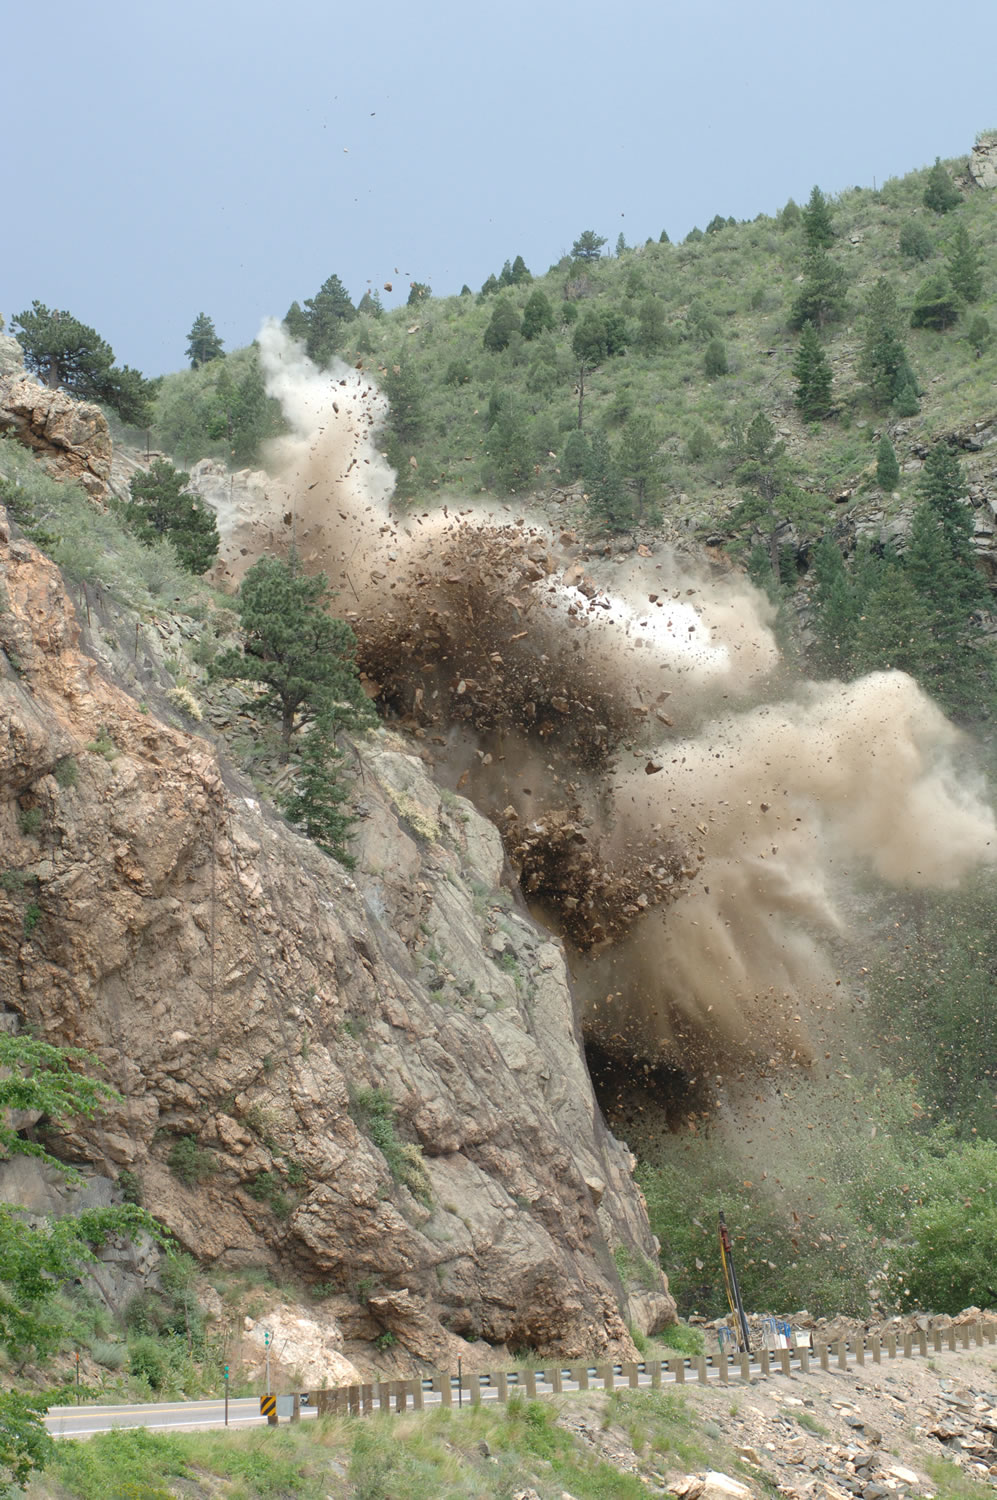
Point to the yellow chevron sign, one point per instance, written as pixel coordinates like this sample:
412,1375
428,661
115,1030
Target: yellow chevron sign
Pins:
268,1406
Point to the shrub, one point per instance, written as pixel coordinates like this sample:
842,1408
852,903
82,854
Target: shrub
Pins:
148,1360
915,242
953,1228
30,819
66,772
189,1162
715,359
374,1112
683,1339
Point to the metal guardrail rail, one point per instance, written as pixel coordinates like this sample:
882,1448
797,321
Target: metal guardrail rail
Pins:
399,1395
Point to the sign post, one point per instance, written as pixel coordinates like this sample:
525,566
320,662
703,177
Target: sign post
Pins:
733,1291
267,1339
226,1395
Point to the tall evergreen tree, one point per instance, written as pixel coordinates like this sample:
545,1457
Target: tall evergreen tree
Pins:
315,801
818,231
894,629
883,363
538,315
821,298
203,343
835,610
292,646
813,376
652,333
588,245
608,504
520,271
639,463
327,313
940,193
296,322
942,485
887,468
964,266
503,324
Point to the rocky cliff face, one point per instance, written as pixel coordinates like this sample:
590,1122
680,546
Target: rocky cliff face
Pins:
70,438
377,1079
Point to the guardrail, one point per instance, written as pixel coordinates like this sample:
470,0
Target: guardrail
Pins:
400,1395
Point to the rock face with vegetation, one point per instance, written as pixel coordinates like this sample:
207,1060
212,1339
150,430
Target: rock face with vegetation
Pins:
373,1081
71,438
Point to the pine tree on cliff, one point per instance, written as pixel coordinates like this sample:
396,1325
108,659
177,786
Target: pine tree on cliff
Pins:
887,468
303,656
818,231
67,353
162,506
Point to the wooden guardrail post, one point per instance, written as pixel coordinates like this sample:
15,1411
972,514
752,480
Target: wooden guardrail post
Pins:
555,1379
784,1365
965,1335
530,1381
502,1385
401,1395
701,1371
922,1341
824,1351
991,1333
417,1394
655,1368
874,1347
842,1351
367,1398
353,1400
860,1350
951,1335
804,1354
441,1383
908,1343
632,1373
891,1345
581,1377
763,1361
978,1335
745,1363
608,1377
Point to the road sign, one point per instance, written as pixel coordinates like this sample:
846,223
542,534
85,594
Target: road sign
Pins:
268,1406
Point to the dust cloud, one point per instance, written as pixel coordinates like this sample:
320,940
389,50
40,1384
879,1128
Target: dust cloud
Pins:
689,832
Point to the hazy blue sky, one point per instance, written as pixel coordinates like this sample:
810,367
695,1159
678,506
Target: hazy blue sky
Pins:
169,158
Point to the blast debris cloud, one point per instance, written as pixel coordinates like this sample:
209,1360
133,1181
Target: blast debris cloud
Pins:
686,819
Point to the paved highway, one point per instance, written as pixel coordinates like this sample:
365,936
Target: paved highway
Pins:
83,1421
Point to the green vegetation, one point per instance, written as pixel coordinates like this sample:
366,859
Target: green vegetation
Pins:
300,655
375,1113
189,1162
64,351
161,505
37,1259
203,343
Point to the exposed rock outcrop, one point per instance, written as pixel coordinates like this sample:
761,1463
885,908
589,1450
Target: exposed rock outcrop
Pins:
70,438
983,161
243,990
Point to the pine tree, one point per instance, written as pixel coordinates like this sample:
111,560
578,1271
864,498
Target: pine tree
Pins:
964,266
715,359
894,630
940,193
978,334
588,245
915,242
821,299
835,610
943,486
813,376
652,321
292,646
520,271
315,801
162,507
935,304
66,352
327,313
203,343
503,324
608,504
538,315
883,363
639,463
818,232
296,322
887,468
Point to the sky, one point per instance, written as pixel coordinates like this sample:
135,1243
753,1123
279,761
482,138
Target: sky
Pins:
226,158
